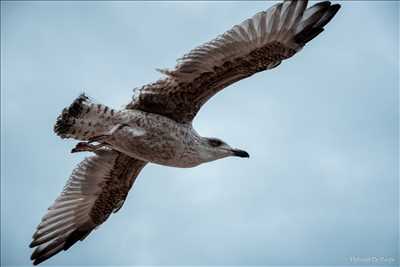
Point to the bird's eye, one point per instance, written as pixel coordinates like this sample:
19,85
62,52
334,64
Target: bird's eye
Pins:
215,142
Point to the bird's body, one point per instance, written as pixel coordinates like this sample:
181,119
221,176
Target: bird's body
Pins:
157,139
160,140
156,126
142,135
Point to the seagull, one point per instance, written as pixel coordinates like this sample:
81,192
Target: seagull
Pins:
156,126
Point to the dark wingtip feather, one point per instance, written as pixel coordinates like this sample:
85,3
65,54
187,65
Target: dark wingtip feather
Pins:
32,244
39,255
75,236
317,21
307,35
334,9
323,4
330,13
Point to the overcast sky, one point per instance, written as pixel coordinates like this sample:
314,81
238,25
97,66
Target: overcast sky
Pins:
321,185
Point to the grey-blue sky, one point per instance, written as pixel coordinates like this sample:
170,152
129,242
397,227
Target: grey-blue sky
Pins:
322,131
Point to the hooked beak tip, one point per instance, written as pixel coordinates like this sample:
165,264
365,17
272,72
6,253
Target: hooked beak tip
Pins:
240,153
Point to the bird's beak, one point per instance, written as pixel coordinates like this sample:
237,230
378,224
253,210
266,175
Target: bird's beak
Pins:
240,153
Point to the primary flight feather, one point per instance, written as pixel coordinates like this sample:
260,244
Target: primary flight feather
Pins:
156,126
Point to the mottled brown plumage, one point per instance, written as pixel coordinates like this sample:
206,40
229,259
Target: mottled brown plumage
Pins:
156,126
181,100
97,187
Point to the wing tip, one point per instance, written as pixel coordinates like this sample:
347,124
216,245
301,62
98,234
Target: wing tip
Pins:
321,17
51,248
75,236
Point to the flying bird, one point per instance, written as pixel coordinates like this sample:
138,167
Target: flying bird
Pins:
156,126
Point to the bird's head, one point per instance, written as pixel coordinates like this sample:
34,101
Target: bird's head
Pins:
214,148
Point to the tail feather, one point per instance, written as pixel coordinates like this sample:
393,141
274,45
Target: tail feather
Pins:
84,119
67,120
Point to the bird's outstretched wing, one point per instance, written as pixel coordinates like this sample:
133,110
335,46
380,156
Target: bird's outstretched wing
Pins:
257,44
97,187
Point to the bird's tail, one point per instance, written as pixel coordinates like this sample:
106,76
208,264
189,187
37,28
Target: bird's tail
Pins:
84,119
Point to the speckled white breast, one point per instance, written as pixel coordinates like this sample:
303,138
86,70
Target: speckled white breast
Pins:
155,138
